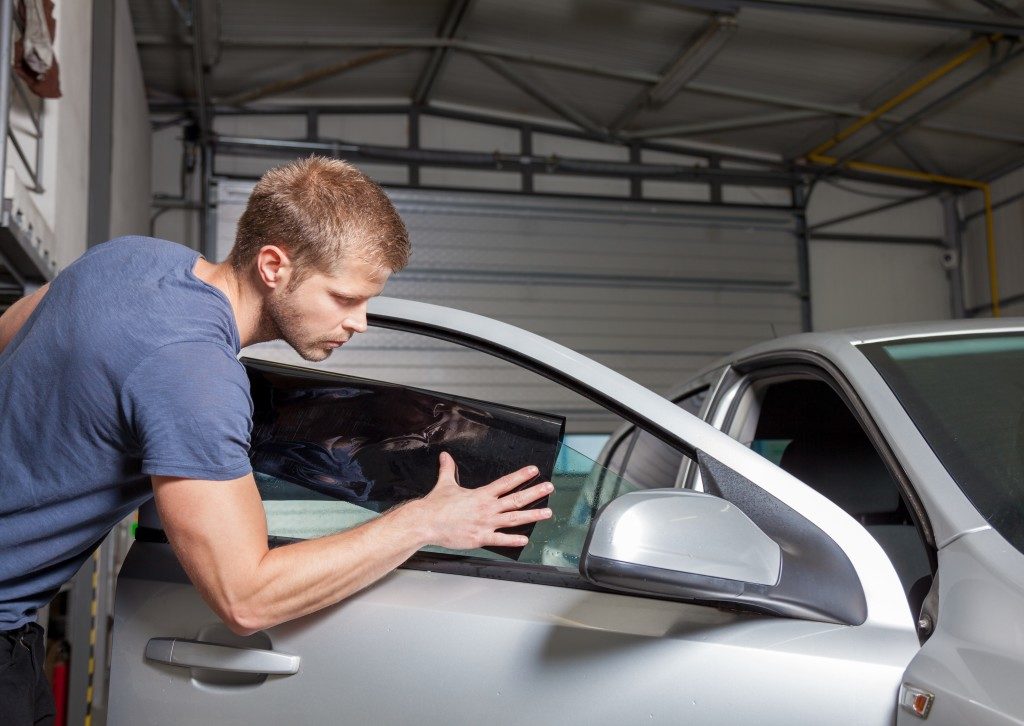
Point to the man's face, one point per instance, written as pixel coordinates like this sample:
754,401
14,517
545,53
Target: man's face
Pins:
324,311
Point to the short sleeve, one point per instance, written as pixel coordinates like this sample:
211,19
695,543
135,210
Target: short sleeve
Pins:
189,409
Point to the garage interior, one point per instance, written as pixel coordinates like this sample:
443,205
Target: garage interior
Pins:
652,183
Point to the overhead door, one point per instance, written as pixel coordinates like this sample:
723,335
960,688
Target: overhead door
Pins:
654,291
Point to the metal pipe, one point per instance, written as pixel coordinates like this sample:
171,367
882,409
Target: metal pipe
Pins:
910,120
997,205
907,93
6,20
990,245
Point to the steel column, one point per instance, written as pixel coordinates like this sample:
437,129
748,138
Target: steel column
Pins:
800,195
954,251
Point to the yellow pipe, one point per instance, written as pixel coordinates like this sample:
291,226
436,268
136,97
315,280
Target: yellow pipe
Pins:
984,187
990,239
817,155
908,92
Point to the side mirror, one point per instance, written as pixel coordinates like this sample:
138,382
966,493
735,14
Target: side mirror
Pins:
683,543
738,546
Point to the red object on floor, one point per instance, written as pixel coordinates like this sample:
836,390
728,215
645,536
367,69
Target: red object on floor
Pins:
60,692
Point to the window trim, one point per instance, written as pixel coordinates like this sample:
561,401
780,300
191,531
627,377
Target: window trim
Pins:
488,568
770,365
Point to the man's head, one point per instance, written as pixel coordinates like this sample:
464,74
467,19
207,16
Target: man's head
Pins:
317,239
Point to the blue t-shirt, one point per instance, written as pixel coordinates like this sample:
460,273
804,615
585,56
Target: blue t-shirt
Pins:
127,368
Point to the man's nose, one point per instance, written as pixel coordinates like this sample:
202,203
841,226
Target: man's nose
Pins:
356,322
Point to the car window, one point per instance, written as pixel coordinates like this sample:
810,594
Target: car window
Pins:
648,459
582,487
802,424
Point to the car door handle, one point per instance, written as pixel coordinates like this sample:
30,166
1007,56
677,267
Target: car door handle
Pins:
197,654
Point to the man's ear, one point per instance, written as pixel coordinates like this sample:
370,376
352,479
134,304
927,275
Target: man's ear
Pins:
273,265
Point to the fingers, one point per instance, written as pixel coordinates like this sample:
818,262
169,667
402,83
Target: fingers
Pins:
499,539
447,471
509,482
518,500
519,517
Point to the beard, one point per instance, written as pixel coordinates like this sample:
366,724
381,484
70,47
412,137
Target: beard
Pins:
281,320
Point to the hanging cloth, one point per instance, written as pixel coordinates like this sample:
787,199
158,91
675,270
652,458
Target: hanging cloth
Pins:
34,60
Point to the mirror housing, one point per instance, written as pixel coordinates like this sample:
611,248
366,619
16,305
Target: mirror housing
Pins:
666,532
737,546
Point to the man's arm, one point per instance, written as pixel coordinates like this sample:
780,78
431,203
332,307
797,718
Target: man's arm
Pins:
16,315
218,531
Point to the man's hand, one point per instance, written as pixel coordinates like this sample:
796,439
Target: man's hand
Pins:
463,519
219,533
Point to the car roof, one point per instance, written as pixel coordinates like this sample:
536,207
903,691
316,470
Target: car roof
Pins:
831,343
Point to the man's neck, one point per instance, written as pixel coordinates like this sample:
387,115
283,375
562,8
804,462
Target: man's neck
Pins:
246,303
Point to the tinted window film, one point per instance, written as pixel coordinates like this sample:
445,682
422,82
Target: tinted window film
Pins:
965,394
370,443
331,452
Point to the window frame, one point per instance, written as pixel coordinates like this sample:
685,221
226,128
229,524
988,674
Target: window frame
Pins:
757,369
501,569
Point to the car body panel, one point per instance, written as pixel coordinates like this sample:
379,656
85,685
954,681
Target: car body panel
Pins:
438,647
972,662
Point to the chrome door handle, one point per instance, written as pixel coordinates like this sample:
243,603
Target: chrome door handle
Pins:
197,654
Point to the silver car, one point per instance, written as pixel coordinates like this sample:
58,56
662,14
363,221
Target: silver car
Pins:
826,528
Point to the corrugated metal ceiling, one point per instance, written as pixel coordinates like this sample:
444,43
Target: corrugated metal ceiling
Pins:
801,60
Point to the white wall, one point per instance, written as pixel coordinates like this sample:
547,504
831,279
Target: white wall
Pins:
63,205
856,283
1009,235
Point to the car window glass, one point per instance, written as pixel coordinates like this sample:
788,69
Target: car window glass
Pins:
582,486
803,425
650,460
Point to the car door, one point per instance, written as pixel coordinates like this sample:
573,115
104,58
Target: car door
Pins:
478,637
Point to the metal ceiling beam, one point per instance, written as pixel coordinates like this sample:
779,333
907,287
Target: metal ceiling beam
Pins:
568,65
293,43
999,8
861,11
844,110
542,95
870,211
453,18
683,68
725,124
244,146
304,79
929,108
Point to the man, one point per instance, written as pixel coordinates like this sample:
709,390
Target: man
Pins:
119,381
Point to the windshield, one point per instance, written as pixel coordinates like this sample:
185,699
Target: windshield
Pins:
966,395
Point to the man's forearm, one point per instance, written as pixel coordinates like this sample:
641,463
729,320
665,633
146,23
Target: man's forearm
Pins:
301,578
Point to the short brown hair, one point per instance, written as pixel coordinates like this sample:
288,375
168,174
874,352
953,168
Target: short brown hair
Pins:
321,211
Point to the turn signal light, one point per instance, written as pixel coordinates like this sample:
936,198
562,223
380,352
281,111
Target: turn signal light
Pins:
916,701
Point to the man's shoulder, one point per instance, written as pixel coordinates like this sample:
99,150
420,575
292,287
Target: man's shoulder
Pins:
145,249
